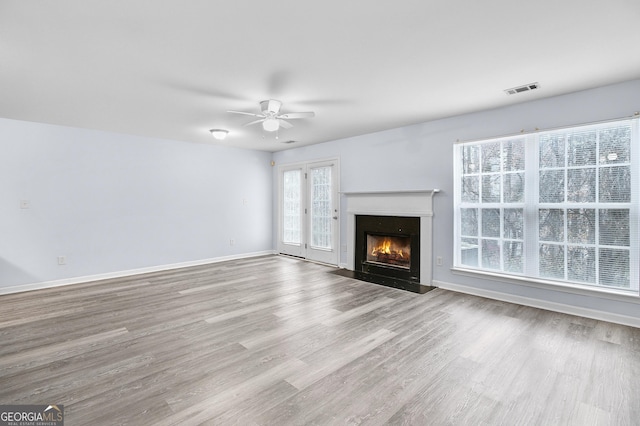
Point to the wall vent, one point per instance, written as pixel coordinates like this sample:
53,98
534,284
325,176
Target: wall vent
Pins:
520,89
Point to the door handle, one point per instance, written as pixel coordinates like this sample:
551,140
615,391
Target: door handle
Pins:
335,217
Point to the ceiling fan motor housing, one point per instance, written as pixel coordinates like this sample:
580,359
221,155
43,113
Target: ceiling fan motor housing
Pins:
270,116
270,106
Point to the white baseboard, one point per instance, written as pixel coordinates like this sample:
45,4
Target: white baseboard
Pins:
542,304
119,274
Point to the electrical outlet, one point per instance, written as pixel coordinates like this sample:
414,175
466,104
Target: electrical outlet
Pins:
232,242
62,260
439,260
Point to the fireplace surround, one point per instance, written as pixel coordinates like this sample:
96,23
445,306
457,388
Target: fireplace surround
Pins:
405,216
387,249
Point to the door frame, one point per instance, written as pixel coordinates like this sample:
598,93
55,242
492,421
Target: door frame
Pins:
305,229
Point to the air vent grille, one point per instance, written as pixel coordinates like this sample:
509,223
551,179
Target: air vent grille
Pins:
520,89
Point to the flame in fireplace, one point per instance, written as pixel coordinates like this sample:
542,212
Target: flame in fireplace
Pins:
386,248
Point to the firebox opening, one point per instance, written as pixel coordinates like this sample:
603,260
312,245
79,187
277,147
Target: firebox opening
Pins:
389,250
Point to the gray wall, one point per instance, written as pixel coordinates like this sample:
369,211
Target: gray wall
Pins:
112,202
420,157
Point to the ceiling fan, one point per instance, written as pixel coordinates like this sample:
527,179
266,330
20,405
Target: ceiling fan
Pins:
271,118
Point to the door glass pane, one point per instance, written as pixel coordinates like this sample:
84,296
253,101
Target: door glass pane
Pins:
291,207
321,205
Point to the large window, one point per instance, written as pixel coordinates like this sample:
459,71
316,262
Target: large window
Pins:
559,206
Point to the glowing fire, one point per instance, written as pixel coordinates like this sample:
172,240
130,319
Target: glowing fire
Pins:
385,248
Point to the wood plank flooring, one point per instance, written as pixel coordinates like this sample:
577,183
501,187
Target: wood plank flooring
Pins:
278,341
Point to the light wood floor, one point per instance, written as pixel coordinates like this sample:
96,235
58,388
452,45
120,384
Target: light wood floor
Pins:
277,341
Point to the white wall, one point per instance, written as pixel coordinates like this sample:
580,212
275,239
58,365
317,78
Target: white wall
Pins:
420,157
112,202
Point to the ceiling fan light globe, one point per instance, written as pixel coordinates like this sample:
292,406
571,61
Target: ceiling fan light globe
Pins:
270,124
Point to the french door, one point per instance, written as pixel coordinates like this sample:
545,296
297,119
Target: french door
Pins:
308,211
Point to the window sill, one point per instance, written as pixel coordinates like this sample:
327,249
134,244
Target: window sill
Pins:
630,296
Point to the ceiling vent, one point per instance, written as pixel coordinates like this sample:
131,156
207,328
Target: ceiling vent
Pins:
520,89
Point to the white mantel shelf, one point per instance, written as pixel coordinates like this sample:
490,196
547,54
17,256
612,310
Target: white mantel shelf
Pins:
411,191
415,203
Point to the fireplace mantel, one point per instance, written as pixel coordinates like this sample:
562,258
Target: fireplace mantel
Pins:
417,203
391,203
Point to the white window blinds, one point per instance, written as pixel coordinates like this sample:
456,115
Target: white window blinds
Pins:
559,205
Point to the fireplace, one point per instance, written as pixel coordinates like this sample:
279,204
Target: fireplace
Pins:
388,250
389,238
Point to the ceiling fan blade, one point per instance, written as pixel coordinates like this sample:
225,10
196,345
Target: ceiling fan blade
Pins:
293,115
285,124
255,122
246,113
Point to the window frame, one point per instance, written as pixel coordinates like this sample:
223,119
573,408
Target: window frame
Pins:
531,206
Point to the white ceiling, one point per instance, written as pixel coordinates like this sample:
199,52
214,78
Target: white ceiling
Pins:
171,69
